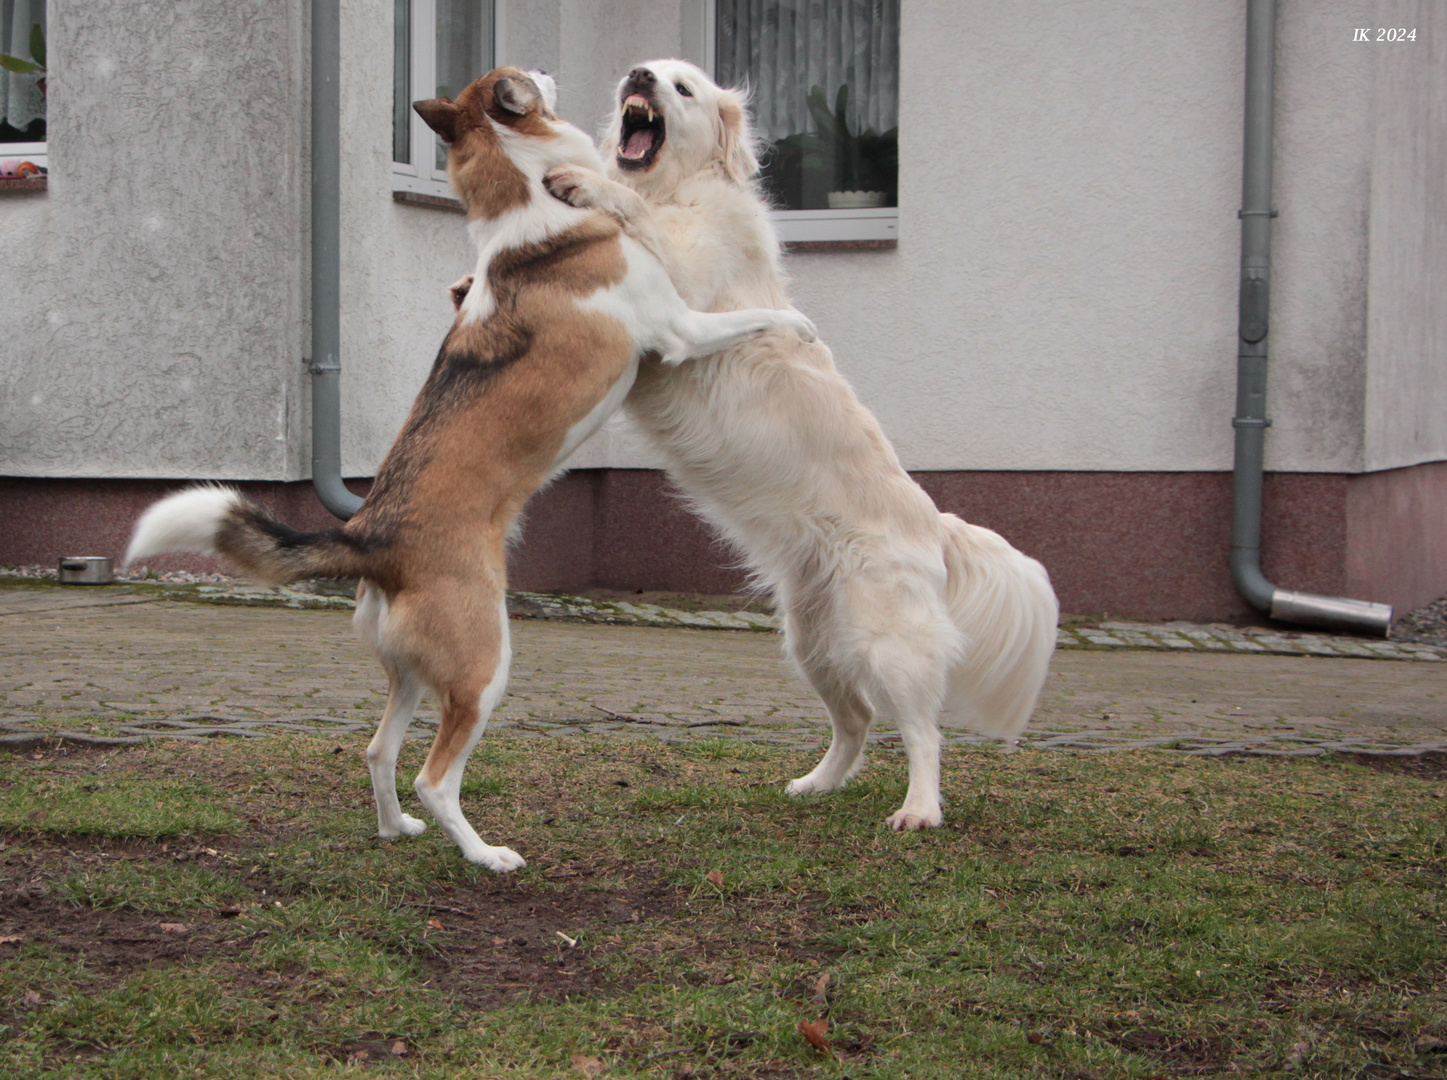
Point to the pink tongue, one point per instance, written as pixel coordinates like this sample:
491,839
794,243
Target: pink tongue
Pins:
638,143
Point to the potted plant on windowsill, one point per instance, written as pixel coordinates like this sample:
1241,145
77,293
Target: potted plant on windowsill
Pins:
865,165
36,63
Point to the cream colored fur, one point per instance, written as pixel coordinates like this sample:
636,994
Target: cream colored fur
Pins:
891,608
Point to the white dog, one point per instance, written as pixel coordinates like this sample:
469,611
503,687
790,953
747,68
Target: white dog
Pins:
890,607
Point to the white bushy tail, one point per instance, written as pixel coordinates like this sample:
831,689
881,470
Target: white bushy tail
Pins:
213,520
186,521
1003,603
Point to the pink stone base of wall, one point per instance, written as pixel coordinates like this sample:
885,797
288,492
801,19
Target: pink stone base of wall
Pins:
1141,545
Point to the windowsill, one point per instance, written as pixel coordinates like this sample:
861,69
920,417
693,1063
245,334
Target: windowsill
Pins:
17,184
819,247
419,198
872,229
800,231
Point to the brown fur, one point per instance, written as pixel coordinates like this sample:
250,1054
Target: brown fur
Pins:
481,437
489,183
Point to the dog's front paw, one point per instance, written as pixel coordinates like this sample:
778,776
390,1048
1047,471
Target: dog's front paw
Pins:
909,820
569,184
804,327
459,290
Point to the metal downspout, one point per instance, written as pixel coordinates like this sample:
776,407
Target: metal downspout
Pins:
324,366
1250,421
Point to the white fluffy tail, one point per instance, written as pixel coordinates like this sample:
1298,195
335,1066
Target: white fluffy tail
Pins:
186,521
1003,603
212,520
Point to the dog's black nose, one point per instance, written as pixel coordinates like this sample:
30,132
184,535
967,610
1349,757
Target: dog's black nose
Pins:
641,79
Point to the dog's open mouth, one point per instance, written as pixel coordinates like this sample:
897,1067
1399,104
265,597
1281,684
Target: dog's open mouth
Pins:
642,134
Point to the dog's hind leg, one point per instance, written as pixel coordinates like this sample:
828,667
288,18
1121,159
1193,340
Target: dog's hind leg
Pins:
405,693
922,809
849,714
467,704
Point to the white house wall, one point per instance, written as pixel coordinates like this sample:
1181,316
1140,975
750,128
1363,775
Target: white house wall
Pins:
1406,390
1063,296
1064,291
152,314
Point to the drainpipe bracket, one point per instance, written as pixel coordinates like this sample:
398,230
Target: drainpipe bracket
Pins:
1250,421
325,368
1258,213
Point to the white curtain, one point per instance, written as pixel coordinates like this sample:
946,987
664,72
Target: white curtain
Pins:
782,48
20,98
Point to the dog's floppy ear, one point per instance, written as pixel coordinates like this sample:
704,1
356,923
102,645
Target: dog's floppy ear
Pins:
441,116
516,95
736,139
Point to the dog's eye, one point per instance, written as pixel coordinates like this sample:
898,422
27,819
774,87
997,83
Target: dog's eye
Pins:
685,91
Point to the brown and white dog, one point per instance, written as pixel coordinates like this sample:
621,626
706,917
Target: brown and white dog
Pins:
891,608
544,347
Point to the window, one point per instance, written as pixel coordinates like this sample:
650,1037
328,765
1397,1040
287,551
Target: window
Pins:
22,80
441,46
824,76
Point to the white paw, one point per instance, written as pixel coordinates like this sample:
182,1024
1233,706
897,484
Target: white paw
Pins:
406,826
806,329
499,860
908,820
802,786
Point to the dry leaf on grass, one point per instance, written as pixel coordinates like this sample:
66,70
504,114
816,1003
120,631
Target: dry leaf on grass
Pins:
399,1049
10,939
436,924
714,878
588,1066
32,997
817,1033
821,990
174,928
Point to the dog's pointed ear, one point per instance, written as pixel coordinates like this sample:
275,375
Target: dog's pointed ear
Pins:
440,115
515,94
736,139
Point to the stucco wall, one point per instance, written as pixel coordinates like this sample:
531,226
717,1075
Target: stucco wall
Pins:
1064,292
1406,389
152,317
1063,295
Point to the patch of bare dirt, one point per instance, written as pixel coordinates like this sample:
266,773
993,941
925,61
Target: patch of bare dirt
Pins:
488,942
1429,766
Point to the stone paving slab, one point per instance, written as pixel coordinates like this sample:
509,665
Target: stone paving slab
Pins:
131,670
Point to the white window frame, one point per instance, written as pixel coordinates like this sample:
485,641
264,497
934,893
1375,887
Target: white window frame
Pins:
809,226
421,176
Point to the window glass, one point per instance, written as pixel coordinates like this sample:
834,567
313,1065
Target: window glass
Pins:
464,50
402,81
824,82
22,71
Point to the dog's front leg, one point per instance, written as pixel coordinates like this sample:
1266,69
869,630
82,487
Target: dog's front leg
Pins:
589,190
700,333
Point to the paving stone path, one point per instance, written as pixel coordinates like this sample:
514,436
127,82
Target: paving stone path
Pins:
119,664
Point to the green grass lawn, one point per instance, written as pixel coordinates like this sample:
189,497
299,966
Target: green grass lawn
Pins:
221,909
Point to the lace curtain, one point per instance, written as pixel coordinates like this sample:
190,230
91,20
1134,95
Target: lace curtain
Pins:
21,102
782,50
